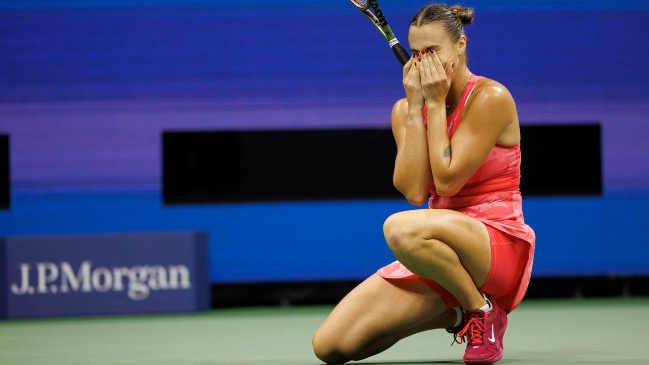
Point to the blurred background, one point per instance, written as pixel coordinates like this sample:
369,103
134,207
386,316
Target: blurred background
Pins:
266,124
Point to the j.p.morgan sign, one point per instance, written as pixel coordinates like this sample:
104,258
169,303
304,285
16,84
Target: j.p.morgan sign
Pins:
137,281
103,274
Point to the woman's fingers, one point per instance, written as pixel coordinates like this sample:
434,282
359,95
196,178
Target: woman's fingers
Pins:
435,78
438,65
408,66
412,82
414,71
427,75
408,71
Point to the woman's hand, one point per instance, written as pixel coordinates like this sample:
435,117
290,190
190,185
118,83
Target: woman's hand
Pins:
435,79
412,83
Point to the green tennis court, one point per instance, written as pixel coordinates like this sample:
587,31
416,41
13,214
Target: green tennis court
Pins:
587,331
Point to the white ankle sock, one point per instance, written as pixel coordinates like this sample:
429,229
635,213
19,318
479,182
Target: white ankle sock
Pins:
460,316
487,307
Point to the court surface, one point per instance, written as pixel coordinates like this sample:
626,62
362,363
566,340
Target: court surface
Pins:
587,331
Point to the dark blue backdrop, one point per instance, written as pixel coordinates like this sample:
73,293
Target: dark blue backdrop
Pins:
87,87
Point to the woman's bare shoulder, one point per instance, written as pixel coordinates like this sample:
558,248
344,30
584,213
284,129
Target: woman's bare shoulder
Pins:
489,97
492,90
492,105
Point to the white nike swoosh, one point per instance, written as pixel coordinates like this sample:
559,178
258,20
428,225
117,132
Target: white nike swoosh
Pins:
492,338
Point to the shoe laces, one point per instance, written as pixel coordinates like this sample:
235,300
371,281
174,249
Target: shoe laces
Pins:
473,329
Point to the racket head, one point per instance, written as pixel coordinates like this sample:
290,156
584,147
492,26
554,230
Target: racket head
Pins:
361,4
364,7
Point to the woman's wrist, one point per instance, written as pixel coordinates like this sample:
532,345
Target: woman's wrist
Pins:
416,119
415,109
435,109
435,104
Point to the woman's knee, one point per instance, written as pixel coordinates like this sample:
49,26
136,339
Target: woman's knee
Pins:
400,232
407,235
333,347
327,349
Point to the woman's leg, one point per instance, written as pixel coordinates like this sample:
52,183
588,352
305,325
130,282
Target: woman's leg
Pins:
377,314
444,320
446,246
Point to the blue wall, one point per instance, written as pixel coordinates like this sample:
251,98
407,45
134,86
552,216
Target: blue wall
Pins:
337,240
87,87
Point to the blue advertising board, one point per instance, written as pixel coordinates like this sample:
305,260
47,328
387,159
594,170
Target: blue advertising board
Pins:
103,274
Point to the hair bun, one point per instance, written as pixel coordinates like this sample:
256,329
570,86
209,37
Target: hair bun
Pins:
464,14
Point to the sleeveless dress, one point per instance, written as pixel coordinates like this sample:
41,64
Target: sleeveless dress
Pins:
491,196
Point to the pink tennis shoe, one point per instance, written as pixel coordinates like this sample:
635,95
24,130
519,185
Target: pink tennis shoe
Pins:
483,333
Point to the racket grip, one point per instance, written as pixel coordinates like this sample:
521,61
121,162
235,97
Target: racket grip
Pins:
401,53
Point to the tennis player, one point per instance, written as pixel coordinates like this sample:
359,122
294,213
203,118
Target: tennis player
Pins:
466,262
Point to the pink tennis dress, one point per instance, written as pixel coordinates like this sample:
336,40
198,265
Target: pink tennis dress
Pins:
493,197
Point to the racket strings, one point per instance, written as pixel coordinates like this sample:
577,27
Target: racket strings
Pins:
361,4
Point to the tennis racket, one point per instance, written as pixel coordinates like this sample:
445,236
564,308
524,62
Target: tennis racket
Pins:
378,19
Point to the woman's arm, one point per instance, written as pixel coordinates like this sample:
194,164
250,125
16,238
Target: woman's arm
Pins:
412,176
454,161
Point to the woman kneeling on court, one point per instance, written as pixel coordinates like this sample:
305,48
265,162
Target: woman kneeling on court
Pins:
466,262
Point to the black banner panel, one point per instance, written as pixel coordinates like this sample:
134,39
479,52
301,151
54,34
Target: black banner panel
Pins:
202,167
211,167
561,160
